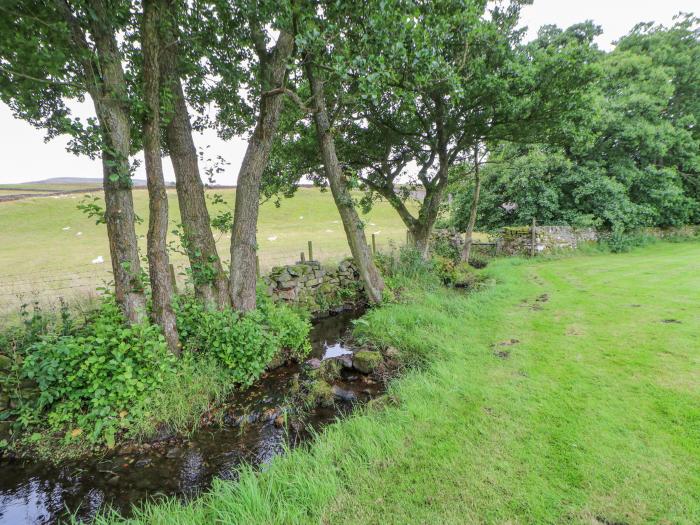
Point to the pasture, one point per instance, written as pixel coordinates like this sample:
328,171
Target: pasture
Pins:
48,245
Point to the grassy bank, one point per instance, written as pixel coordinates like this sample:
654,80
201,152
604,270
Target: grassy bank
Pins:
592,416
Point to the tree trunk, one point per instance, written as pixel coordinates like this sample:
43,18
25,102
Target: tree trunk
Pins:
245,219
109,96
420,234
468,237
158,261
210,281
123,246
354,230
422,228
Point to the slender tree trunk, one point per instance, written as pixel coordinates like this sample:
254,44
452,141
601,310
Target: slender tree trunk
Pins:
210,280
468,237
422,228
158,261
123,246
354,230
245,219
111,107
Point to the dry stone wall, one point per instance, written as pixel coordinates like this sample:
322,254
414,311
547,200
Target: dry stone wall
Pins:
320,290
518,240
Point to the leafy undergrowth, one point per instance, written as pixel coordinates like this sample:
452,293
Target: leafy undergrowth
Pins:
101,382
568,393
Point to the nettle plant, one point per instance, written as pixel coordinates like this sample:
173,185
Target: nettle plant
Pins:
245,344
95,380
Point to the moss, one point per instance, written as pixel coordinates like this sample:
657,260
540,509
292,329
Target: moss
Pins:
329,370
319,393
366,361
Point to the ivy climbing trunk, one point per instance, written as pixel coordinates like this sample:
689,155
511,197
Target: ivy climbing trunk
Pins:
354,230
273,67
156,246
109,94
210,280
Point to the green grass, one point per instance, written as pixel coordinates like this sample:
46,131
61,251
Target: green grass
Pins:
593,418
46,188
41,259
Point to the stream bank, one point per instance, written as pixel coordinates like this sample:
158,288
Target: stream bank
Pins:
258,424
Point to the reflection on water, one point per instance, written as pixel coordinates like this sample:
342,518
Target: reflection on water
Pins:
32,492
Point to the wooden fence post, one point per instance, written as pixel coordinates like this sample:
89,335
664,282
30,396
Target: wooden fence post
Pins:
302,257
533,237
374,244
172,278
257,266
311,251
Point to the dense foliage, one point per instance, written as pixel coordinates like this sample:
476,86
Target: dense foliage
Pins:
244,344
98,379
635,163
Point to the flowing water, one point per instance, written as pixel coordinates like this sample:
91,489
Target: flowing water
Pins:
35,492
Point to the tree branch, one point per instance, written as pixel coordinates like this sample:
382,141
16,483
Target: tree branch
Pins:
291,94
41,80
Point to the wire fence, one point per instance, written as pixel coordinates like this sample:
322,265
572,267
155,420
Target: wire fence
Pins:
86,282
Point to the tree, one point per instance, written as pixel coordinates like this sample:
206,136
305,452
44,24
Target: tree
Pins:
633,163
51,52
315,57
272,74
419,83
469,231
157,252
209,278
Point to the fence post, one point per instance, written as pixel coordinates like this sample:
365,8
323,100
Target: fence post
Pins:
374,244
311,251
172,278
533,237
257,266
302,256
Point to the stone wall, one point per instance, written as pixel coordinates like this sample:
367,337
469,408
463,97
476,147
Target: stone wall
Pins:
320,290
518,240
676,231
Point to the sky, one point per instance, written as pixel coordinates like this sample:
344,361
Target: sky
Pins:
26,157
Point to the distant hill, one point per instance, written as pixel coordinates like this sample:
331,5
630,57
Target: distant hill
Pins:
81,180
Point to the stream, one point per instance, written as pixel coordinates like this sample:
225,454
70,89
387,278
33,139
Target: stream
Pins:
40,493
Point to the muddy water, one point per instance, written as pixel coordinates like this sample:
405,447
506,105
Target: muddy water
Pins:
32,492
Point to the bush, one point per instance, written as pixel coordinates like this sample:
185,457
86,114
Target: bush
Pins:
620,241
455,274
442,245
91,381
106,379
245,344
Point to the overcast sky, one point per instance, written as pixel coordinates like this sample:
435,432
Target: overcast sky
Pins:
25,157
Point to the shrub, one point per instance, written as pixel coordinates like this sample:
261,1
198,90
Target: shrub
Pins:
91,381
442,245
618,240
289,326
245,344
456,274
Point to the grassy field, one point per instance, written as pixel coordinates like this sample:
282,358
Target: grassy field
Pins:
48,245
569,392
43,187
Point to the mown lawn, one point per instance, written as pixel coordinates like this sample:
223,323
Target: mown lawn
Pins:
591,417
